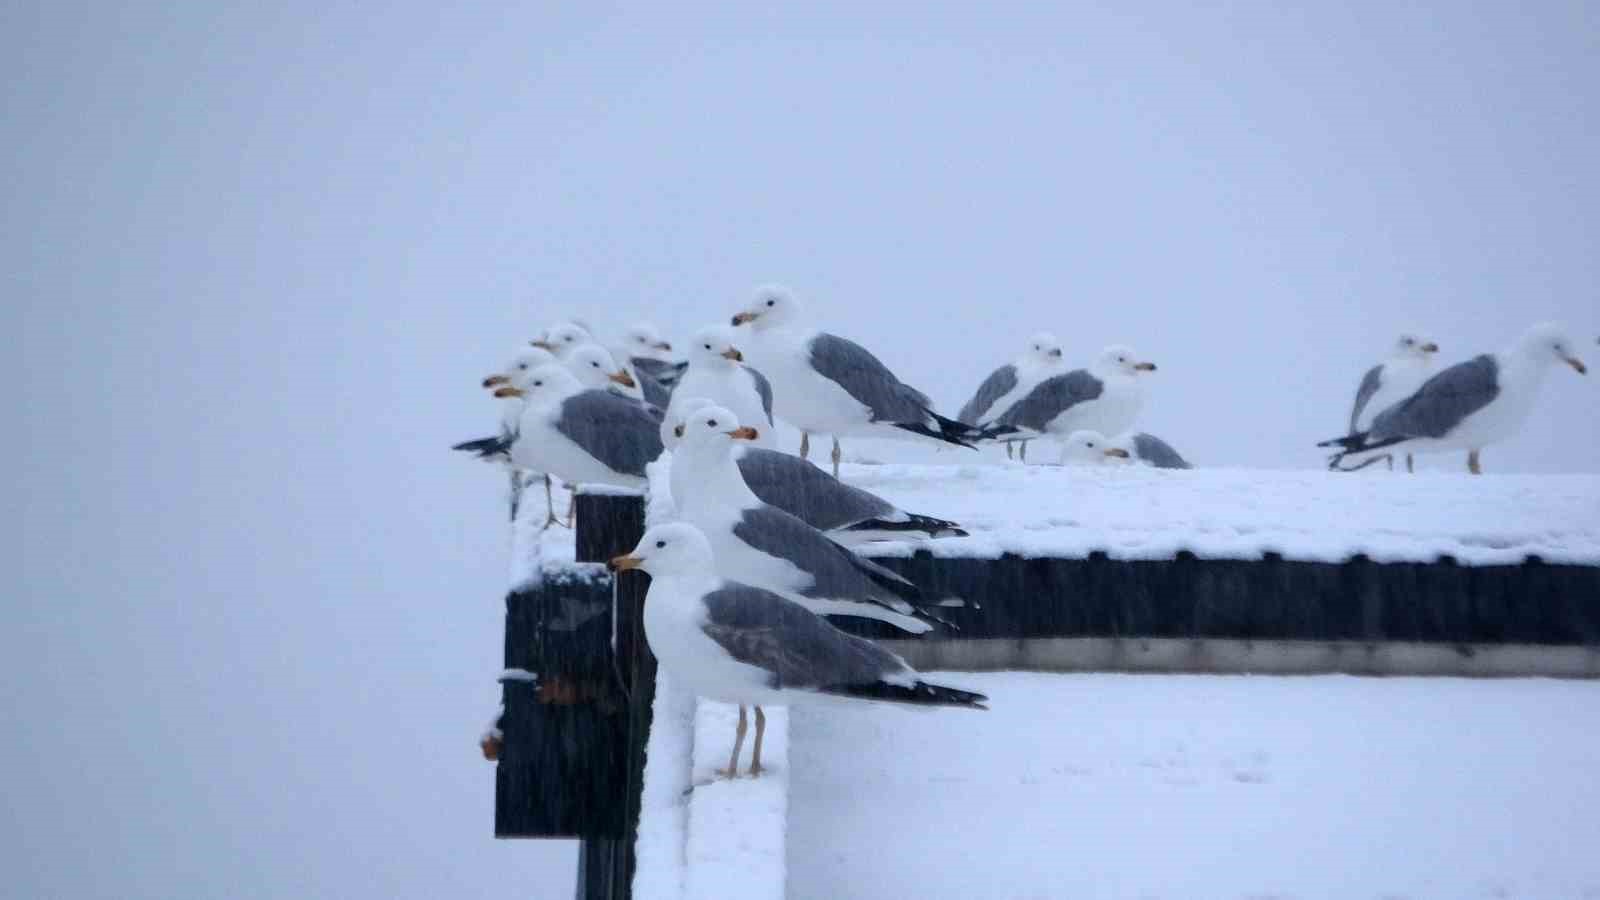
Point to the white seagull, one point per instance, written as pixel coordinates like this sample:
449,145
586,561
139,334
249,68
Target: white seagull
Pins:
595,368
717,374
584,436
1040,359
649,355
564,338
845,513
1106,398
1085,447
1465,407
824,383
1391,381
735,642
515,375
763,545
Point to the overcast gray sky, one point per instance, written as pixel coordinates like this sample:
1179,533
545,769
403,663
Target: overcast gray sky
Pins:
259,254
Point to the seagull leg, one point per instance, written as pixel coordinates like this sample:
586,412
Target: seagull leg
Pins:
732,771
1411,467
1389,459
572,505
805,443
516,492
1022,452
549,504
1472,463
836,456
755,752
1008,450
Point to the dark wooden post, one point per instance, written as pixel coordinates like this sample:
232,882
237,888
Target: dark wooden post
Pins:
571,760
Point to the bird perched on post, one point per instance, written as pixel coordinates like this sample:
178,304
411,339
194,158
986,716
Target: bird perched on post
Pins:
1467,406
738,643
1391,381
824,383
1106,397
717,373
1040,359
649,356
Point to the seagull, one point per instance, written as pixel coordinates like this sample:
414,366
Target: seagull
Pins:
1106,398
563,339
585,436
526,360
1011,382
765,546
1391,381
1086,447
738,643
848,515
1467,406
595,368
650,358
717,374
825,383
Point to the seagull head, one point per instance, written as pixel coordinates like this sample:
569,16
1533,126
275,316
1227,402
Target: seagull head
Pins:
594,367
525,361
644,340
676,548
1548,343
564,338
774,305
713,427
544,385
1043,349
1089,448
1411,345
714,346
1120,360
681,410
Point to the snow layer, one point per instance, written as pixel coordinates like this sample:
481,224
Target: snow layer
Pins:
1140,513
663,808
737,828
1196,787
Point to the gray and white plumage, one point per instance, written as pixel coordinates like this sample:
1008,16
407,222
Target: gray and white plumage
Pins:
1106,397
1000,382
1466,406
580,435
762,545
1392,380
740,643
846,513
1041,358
717,373
828,384
1153,451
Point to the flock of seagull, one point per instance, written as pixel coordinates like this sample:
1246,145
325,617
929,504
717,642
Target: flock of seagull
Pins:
762,544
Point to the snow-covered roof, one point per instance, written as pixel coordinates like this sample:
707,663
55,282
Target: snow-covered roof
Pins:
1142,513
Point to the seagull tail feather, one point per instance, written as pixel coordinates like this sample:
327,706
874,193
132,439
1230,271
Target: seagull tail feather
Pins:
925,524
920,693
486,448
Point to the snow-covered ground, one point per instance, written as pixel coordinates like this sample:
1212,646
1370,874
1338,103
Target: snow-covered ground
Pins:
1141,513
1198,787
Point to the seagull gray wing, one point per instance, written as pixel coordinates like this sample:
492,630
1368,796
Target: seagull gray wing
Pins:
792,644
1051,398
997,385
807,492
616,430
1157,452
1442,402
836,573
1370,383
869,381
764,388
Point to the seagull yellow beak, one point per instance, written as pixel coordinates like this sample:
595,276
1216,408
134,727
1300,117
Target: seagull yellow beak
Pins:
1577,365
624,563
733,354
509,391
742,318
1145,367
543,345
745,433
1118,452
622,377
495,380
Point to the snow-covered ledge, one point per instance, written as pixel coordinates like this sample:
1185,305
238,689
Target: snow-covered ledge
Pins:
701,836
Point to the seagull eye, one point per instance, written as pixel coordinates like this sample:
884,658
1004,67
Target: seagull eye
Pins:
523,366
708,346
538,384
660,544
712,423
772,303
